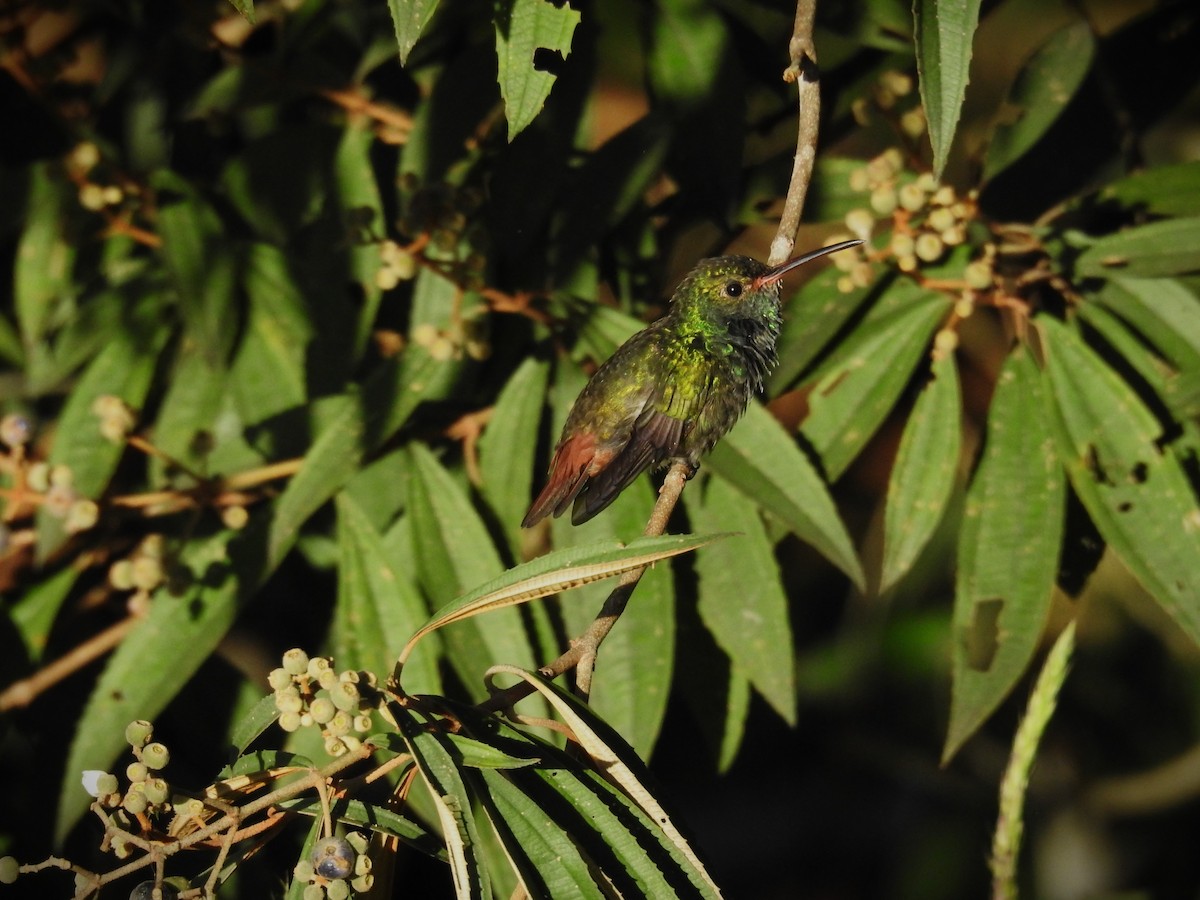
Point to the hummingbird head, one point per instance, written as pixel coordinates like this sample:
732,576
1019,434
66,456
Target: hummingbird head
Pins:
737,287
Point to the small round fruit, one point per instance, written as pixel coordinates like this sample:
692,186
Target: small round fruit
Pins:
929,247
9,869
155,756
145,891
15,430
333,857
136,772
296,662
279,679
157,791
322,710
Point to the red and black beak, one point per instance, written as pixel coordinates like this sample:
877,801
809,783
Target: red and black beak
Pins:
773,274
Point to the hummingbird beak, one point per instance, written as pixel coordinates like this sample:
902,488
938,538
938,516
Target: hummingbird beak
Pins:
772,275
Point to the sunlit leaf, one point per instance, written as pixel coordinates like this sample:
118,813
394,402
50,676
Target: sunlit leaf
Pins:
155,660
1007,551
923,476
856,391
762,461
378,606
1138,495
1042,90
525,29
944,31
1169,247
508,444
1163,310
741,600
1171,190
633,669
45,257
435,762
409,18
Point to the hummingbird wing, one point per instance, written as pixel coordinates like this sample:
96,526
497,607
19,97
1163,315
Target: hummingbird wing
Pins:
655,437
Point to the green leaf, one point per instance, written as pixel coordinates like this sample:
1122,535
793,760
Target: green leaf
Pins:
1165,312
741,600
633,669
362,217
623,771
357,424
43,291
857,390
1163,191
245,7
944,30
548,860
523,29
762,461
260,717
1041,92
409,18
1138,495
434,758
201,265
509,443
378,607
1169,247
124,369
923,476
455,554
379,819
37,607
1008,551
154,661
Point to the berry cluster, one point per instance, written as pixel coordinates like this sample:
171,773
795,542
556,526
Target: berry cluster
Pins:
335,867
925,218
311,692
147,797
97,190
54,484
143,570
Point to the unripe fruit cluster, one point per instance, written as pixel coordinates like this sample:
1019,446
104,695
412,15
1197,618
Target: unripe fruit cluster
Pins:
116,418
312,692
336,866
94,195
894,97
926,218
465,336
144,570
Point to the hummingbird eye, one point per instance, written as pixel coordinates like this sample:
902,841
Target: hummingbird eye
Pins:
733,289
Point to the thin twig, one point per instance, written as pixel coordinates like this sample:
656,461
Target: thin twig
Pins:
803,71
23,692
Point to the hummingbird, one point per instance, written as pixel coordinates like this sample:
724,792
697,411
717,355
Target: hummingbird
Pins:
675,388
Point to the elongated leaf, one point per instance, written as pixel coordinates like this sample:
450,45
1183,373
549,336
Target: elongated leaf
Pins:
1169,247
1041,92
507,447
154,661
633,669
944,31
35,611
1007,551
123,369
379,819
559,570
1164,190
362,215
435,762
45,258
260,717
358,423
1163,310
200,263
409,18
762,461
922,478
454,554
549,863
378,607
742,602
1138,496
621,766
524,29
854,394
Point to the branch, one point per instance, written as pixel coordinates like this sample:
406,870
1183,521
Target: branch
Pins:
804,72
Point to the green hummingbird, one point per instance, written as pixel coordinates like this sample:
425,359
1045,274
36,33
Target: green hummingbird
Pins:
672,390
